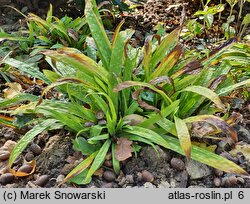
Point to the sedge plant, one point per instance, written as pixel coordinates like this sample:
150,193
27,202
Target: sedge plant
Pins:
125,95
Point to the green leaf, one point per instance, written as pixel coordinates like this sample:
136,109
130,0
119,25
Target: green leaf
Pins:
207,93
79,179
6,36
81,167
98,137
71,121
116,164
81,144
154,118
4,103
99,159
128,84
165,47
145,133
205,156
78,61
168,126
183,135
26,68
49,14
167,63
98,33
27,138
233,87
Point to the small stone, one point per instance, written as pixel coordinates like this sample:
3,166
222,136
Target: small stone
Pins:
99,114
164,184
217,182
218,172
107,185
9,144
36,149
102,122
108,156
129,178
109,176
197,170
229,157
26,168
42,180
177,164
108,163
29,156
241,180
60,178
149,185
4,155
18,160
147,176
6,178
89,124
231,180
139,176
30,184
243,133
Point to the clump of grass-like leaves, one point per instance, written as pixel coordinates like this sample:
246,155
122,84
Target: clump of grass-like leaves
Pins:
121,95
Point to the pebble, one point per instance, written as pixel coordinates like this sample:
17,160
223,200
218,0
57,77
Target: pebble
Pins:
217,182
42,180
229,157
18,160
108,163
102,122
243,133
164,184
197,170
4,155
25,168
36,149
109,176
147,176
218,172
108,156
30,184
88,124
60,178
139,176
129,178
29,156
6,178
107,185
231,180
241,180
149,185
177,164
99,114
9,144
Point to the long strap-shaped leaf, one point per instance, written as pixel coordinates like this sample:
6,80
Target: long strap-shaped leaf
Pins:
198,154
80,167
99,159
183,135
207,93
81,62
18,99
99,34
26,139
